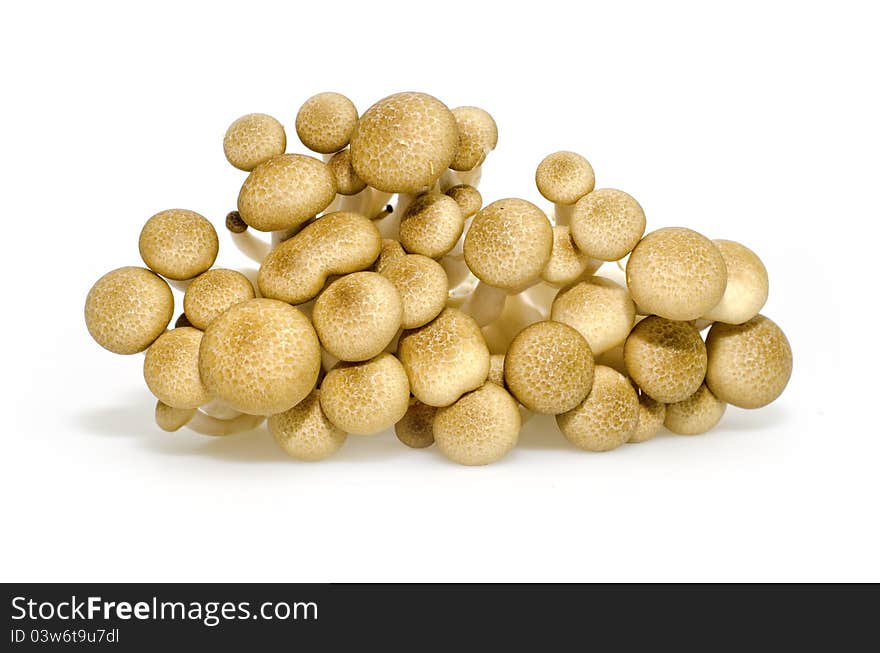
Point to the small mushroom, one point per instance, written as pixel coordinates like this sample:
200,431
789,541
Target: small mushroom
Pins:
607,224
178,244
747,285
422,285
696,414
356,196
252,140
468,198
325,121
651,416
171,369
564,178
127,309
567,263
477,136
172,419
212,293
347,181
304,432
390,250
601,311
431,225
416,428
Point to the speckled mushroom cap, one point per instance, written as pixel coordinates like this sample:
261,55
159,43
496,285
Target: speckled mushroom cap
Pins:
601,311
651,416
261,357
666,359
480,428
172,419
567,263
337,243
696,414
508,244
445,358
390,250
468,198
171,369
564,177
404,142
749,364
431,225
178,244
304,432
607,418
253,139
347,180
549,367
676,273
285,191
325,122
496,369
477,136
357,316
365,398
127,309
747,285
422,285
607,224
211,293
416,429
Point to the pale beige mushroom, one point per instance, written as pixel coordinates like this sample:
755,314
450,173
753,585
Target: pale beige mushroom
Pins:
564,178
477,136
422,285
467,197
178,244
212,293
607,224
389,250
304,431
747,285
325,122
172,419
171,369
695,415
416,428
600,310
431,225
252,140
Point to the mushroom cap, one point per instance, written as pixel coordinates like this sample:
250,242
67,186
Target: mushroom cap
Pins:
178,244
336,243
390,250
347,180
285,191
496,369
127,309
357,316
253,139
431,225
651,416
567,263
477,136
325,122
404,142
549,367
666,359
564,177
365,398
211,293
508,244
304,432
416,428
445,358
171,369
607,224
676,273
261,357
747,285
696,414
479,428
172,419
613,358
608,416
749,364
422,285
468,198
601,311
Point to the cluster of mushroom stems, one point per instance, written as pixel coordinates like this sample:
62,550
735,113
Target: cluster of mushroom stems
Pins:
386,293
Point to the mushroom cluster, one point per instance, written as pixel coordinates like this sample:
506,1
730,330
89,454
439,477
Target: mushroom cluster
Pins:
388,295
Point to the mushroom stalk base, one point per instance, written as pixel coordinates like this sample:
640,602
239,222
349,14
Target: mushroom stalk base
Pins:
207,425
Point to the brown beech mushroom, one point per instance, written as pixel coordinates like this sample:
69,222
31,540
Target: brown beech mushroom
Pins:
304,432
325,122
477,136
213,292
564,178
416,428
607,224
567,263
389,250
171,369
172,419
252,140
747,285
651,416
749,364
600,310
468,198
431,225
178,244
422,285
696,414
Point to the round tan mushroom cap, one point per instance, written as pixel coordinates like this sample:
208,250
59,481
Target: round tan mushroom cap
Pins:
171,369
285,191
651,416
599,309
404,142
178,244
416,429
696,414
477,136
666,359
747,285
508,244
676,273
608,416
213,293
749,364
479,428
304,432
253,139
127,309
468,198
365,398
567,263
172,419
261,357
607,224
357,316
549,367
445,358
431,225
347,180
325,122
390,250
564,177
422,285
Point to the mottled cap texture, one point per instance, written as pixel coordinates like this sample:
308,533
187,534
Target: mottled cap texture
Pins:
325,122
601,311
564,177
607,224
696,414
416,429
171,369
212,293
304,432
178,244
423,287
252,140
431,225
347,180
747,285
477,136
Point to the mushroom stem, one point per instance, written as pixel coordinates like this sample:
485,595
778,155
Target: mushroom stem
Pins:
452,178
251,246
178,284
207,425
485,304
281,235
562,214
219,409
369,202
520,310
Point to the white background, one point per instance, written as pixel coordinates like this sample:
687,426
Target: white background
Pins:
757,123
